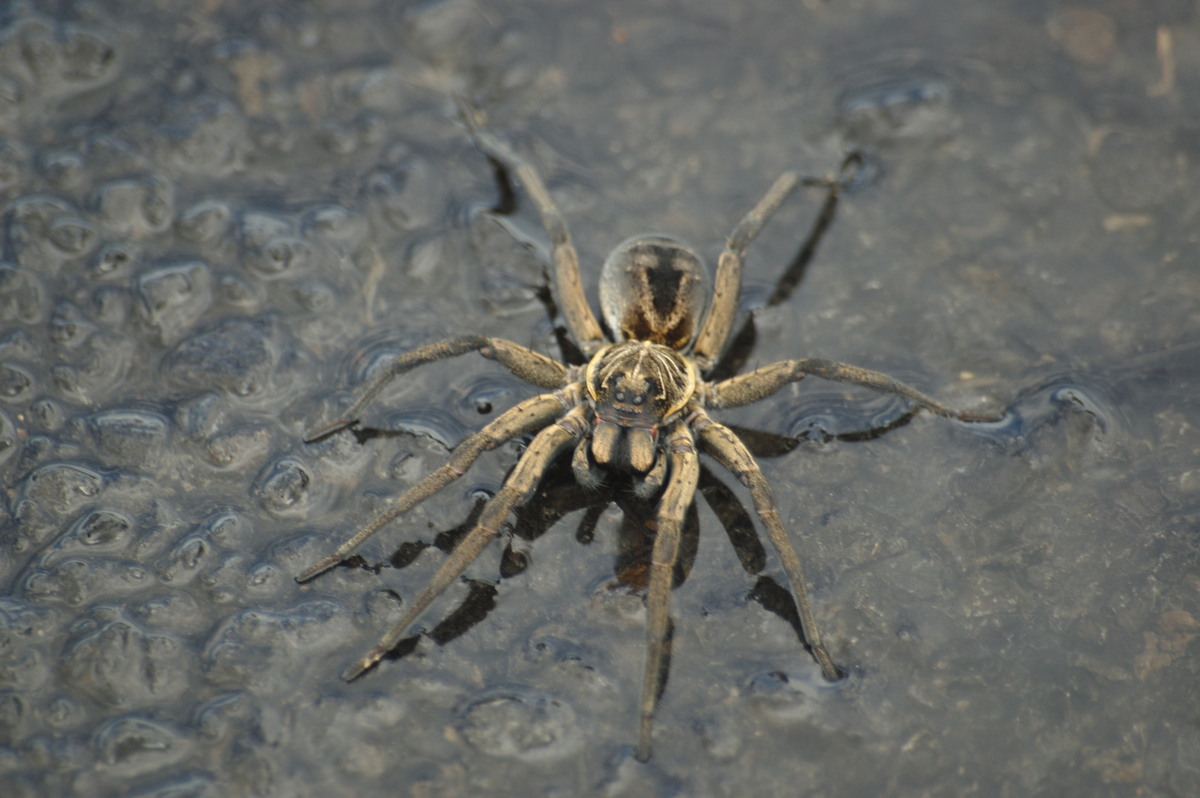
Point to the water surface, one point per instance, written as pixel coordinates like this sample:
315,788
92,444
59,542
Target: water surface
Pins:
218,218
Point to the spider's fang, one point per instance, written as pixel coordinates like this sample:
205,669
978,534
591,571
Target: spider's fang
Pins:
606,442
640,443
616,445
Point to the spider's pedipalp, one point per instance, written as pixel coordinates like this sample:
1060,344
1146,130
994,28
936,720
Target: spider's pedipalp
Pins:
586,472
649,485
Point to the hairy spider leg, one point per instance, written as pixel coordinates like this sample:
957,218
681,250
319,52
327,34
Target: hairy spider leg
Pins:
747,388
530,366
683,472
519,486
834,186
726,448
568,286
727,284
527,416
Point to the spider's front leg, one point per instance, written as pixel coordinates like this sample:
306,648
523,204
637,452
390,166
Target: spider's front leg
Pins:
519,486
683,472
528,416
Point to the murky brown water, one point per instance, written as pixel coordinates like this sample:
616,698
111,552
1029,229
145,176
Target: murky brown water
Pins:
218,216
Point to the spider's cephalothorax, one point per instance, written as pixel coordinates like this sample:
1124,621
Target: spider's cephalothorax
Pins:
635,389
639,406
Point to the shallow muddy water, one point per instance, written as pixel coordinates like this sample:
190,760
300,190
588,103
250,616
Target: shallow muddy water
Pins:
218,217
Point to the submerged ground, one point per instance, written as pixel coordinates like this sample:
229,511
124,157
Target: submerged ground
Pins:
217,217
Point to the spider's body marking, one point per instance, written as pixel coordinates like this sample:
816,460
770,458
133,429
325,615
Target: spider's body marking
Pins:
654,289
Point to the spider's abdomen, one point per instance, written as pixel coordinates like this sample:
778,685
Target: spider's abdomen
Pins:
654,289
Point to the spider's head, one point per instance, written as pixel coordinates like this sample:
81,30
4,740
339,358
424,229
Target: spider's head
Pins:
654,289
635,389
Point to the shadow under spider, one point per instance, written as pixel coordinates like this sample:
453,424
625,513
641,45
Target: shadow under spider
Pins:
559,494
639,408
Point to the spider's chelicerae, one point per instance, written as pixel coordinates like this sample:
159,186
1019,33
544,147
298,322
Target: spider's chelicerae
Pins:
640,404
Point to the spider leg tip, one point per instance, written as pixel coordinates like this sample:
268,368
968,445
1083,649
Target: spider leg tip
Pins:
835,675
318,569
365,664
982,418
325,430
829,670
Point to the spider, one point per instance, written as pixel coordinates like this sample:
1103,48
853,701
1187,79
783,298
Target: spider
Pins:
639,405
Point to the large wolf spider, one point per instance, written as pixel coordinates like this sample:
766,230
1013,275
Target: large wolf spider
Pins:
639,405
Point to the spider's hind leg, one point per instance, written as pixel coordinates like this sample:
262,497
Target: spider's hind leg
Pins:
567,283
727,284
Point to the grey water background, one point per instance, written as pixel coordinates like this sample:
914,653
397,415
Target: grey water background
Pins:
219,215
